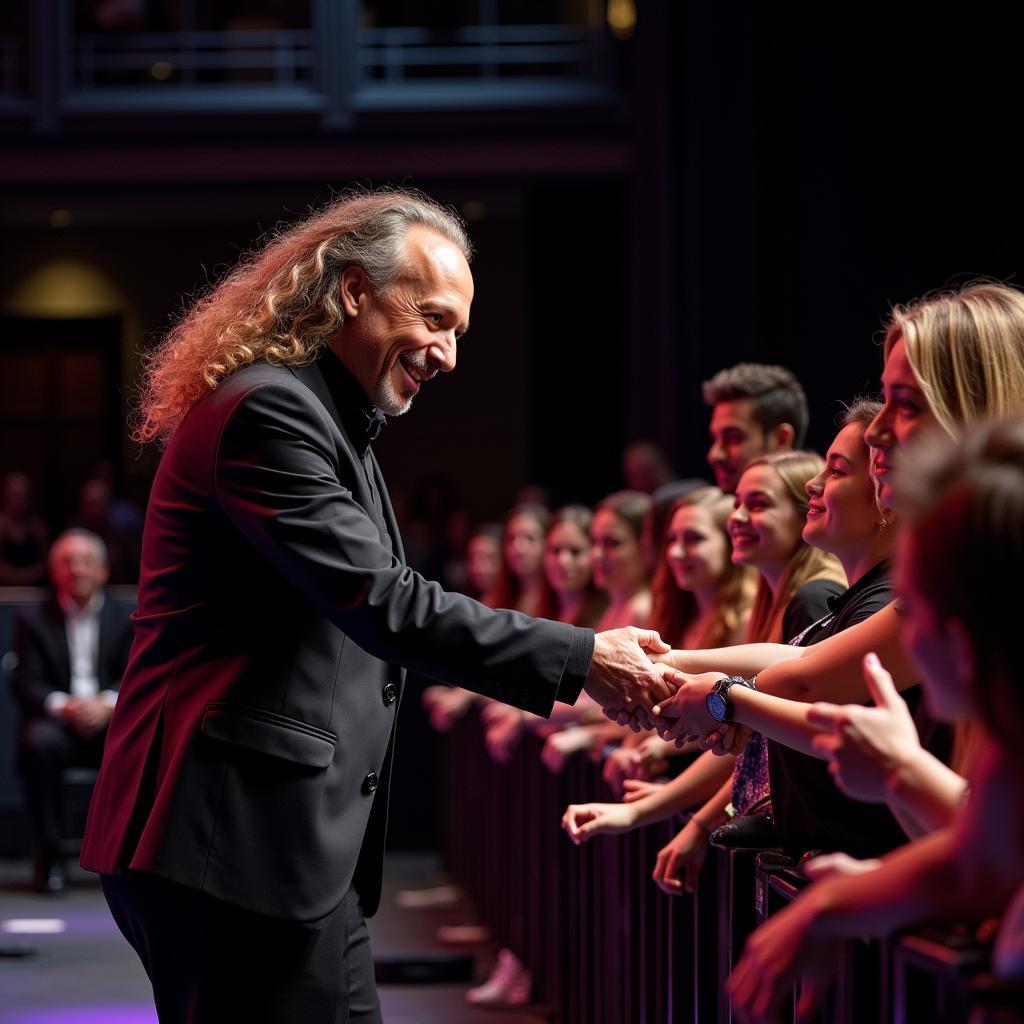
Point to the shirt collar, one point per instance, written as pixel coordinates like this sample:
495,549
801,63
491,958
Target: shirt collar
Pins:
72,611
361,418
876,574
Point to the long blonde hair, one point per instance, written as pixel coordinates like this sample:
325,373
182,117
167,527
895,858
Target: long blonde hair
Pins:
806,564
281,303
674,610
966,348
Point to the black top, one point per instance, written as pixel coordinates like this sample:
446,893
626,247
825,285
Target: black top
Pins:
807,606
810,811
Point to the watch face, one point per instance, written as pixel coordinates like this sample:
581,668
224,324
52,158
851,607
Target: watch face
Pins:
716,706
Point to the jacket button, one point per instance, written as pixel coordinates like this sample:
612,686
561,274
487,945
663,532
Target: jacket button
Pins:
390,693
370,783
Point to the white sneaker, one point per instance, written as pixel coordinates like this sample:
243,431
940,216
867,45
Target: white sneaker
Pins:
510,984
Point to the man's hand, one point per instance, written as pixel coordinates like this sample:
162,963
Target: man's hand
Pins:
584,821
88,716
685,716
865,746
623,679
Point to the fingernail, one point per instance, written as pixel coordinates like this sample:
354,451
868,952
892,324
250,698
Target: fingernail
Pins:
872,659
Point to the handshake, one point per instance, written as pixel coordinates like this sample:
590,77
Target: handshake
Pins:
635,689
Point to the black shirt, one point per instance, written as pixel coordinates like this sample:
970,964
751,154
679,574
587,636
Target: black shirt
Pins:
810,811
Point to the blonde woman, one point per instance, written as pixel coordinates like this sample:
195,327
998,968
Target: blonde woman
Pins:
950,360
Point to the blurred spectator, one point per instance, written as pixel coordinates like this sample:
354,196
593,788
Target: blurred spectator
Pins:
483,561
520,583
645,468
72,651
22,535
97,514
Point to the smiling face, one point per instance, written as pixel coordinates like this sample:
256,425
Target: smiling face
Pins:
393,342
78,569
905,413
524,546
766,524
736,439
568,558
696,550
842,515
618,558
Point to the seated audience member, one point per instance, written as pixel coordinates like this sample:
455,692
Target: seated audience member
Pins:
72,652
22,535
958,571
755,409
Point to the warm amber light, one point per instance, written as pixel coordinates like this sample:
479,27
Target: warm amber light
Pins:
621,18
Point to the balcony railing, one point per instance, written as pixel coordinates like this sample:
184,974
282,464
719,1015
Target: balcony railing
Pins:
334,68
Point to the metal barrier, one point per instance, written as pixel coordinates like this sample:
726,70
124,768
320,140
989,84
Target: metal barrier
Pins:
606,946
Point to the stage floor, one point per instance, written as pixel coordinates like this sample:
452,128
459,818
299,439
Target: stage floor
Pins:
87,973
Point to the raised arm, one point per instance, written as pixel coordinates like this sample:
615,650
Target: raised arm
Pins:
830,670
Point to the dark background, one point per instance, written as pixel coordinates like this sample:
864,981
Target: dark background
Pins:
741,181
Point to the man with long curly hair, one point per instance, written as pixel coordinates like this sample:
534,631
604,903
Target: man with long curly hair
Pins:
238,820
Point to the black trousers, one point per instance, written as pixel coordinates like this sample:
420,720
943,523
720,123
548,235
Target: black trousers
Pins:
46,747
212,963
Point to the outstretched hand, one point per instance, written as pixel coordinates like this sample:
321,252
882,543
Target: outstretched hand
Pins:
623,680
685,716
866,745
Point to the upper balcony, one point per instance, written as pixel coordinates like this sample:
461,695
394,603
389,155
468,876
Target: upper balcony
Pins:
62,61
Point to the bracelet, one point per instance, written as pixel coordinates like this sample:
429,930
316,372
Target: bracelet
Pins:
752,681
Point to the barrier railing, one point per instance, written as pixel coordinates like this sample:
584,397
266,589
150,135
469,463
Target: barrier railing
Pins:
605,946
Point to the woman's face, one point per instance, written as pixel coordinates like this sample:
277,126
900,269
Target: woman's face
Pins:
696,549
842,515
524,546
937,650
905,413
483,562
618,561
766,524
568,559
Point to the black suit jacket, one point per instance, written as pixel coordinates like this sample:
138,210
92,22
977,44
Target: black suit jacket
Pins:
249,753
44,662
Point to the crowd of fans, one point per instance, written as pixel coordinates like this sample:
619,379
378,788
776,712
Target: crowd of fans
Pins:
842,639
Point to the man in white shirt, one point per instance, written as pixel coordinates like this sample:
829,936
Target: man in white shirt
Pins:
72,651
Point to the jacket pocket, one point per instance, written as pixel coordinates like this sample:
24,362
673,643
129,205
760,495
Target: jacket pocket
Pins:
268,733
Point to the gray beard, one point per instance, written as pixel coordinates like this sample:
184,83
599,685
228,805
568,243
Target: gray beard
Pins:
387,400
